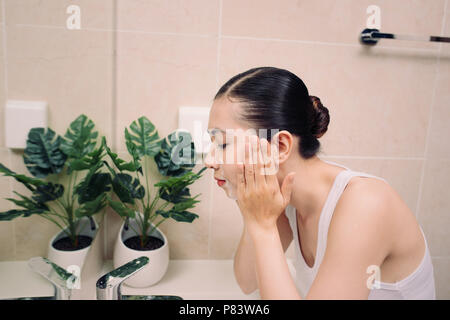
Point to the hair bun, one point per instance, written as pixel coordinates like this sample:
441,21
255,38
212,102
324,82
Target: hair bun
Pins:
321,119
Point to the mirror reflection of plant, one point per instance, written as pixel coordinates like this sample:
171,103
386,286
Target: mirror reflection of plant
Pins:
50,158
143,145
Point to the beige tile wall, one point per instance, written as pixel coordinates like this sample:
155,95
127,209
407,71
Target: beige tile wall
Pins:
40,59
389,104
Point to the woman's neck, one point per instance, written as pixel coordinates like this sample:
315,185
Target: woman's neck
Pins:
313,181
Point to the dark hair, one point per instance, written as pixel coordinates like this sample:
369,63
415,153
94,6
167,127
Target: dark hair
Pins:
275,98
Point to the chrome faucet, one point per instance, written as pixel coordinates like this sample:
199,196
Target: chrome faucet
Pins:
62,281
109,285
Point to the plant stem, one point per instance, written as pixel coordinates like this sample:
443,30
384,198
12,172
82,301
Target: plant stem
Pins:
156,226
62,217
71,224
56,223
154,202
142,200
163,206
79,229
68,188
146,223
61,205
73,194
70,213
146,179
129,224
137,233
140,220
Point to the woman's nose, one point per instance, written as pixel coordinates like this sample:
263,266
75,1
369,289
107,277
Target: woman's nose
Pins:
210,160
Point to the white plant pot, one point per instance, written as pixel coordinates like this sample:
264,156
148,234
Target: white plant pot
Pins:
76,258
159,258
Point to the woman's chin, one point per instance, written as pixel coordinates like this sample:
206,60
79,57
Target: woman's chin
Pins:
230,193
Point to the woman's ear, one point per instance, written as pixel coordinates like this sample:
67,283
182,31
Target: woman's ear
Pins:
285,142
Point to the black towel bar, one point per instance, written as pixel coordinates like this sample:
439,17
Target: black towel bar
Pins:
371,37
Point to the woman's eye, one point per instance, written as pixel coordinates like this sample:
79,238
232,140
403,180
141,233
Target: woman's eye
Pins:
222,146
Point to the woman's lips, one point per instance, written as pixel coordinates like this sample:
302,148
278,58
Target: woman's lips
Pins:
220,182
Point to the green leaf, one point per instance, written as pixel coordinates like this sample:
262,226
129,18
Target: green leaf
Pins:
187,204
174,195
78,165
127,188
28,203
93,184
28,182
42,155
79,138
30,206
48,192
121,164
11,214
143,139
88,161
120,208
183,216
175,189
14,213
91,207
177,154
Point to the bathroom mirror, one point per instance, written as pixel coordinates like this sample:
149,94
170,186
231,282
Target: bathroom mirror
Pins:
62,53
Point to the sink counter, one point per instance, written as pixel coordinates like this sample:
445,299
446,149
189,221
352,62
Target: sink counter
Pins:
18,280
189,279
194,279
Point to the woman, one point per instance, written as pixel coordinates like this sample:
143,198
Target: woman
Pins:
354,236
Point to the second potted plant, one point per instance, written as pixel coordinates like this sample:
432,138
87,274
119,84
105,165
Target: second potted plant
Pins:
142,214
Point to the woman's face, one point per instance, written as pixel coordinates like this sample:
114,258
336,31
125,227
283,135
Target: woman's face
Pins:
228,138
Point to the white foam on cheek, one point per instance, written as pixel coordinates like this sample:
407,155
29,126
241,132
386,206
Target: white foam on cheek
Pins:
231,192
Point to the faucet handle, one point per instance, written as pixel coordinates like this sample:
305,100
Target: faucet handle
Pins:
109,285
62,280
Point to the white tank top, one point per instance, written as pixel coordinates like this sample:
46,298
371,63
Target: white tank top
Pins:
418,285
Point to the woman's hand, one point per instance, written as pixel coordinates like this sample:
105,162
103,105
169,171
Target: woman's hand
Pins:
260,198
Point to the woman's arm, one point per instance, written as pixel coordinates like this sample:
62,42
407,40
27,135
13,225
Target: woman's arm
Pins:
274,278
357,238
244,259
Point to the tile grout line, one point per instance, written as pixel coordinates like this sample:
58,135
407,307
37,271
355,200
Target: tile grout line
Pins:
5,57
371,157
440,257
11,207
116,30
325,43
219,47
5,68
357,157
219,44
113,113
430,117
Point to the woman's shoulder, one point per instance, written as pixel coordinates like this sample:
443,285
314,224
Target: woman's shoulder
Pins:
375,206
371,191
380,213
369,184
367,201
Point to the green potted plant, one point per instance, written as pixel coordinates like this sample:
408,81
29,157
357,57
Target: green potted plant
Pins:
57,192
142,213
